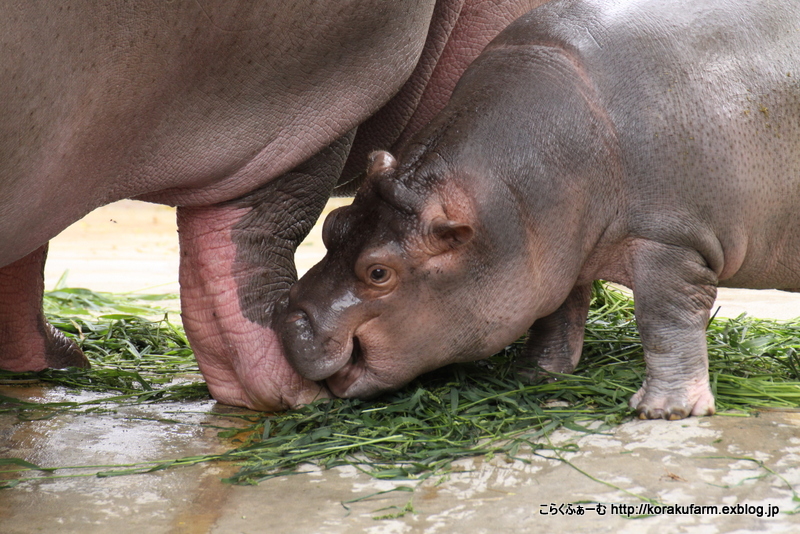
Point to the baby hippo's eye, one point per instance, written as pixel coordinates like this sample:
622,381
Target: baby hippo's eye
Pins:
377,277
379,274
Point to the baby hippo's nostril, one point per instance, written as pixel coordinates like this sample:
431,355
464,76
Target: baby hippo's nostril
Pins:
295,316
298,336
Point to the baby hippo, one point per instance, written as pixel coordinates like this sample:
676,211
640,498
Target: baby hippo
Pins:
652,144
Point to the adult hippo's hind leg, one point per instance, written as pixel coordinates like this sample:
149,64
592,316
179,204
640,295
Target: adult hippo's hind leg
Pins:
237,262
27,341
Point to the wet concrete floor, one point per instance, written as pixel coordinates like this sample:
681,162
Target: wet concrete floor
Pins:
751,465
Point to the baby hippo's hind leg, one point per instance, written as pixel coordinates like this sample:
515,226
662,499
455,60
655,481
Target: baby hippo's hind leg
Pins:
673,293
27,341
555,342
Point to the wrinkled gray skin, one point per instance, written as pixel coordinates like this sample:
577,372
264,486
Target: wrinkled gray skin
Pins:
242,114
653,144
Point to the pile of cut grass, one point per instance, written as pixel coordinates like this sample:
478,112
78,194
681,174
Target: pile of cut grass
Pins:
458,411
483,408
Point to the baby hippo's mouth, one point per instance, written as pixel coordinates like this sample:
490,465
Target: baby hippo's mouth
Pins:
354,369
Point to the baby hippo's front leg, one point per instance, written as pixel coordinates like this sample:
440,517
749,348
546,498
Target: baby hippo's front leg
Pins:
673,291
555,342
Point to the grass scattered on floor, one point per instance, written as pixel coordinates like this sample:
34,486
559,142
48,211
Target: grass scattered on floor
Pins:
136,345
459,411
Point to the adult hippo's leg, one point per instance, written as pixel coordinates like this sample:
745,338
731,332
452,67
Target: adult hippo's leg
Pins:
27,341
673,292
237,262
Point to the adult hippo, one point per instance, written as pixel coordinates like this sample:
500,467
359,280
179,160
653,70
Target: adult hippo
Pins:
654,144
239,113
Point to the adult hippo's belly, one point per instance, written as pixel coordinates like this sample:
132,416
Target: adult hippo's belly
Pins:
241,114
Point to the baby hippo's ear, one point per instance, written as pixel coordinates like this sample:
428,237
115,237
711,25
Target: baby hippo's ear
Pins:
446,235
380,161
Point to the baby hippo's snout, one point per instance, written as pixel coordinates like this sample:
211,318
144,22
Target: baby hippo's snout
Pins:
301,346
318,337
319,332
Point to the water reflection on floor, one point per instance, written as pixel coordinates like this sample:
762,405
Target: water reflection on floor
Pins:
704,461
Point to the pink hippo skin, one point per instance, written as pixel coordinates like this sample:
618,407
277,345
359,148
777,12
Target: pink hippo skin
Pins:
654,144
242,114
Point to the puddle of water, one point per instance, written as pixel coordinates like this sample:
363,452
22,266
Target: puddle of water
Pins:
186,499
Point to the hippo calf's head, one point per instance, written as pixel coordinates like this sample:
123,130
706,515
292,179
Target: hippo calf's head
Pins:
405,286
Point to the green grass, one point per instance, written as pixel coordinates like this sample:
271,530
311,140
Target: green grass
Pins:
137,348
458,411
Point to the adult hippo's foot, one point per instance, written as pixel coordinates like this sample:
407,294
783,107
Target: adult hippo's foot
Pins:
27,341
237,262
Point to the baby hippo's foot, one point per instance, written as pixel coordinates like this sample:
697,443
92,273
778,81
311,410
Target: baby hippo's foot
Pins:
653,402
